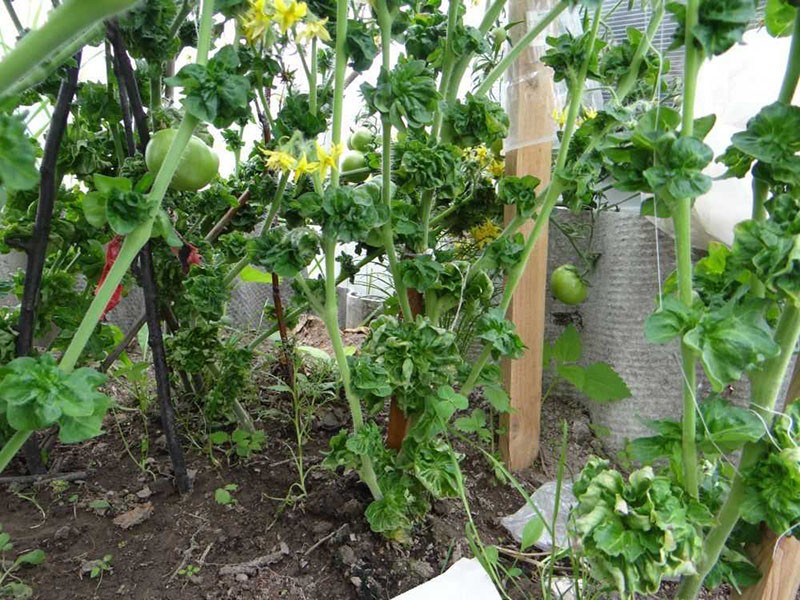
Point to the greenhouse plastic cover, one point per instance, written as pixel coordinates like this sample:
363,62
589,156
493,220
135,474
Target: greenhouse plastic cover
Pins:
735,86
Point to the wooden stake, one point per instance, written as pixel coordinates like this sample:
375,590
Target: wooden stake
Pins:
780,566
530,109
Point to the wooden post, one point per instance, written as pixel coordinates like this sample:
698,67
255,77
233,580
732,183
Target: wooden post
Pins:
779,565
530,107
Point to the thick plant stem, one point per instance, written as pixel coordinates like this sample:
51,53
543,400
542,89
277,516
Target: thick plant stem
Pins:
64,23
766,387
462,64
338,79
312,79
518,48
139,237
11,447
792,73
385,24
551,195
331,318
447,62
156,339
681,218
629,81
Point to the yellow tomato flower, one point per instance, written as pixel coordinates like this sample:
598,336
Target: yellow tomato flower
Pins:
497,168
589,113
328,160
303,167
256,21
560,117
315,29
287,15
278,160
484,234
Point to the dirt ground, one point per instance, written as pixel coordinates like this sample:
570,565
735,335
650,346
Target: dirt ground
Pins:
261,546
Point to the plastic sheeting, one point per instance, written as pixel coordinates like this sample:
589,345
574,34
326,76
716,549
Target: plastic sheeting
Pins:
735,86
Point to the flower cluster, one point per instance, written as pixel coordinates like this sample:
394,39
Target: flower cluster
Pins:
261,14
283,161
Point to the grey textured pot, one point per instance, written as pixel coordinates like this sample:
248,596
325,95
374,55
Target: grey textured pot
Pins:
634,256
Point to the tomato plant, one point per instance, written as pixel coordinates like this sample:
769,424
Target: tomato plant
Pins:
128,177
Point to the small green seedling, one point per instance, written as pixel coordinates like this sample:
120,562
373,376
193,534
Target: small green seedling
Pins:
241,443
101,566
224,495
15,588
189,571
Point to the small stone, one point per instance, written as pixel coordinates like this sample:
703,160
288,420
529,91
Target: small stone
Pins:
421,569
351,508
144,493
356,581
134,516
581,433
321,527
242,577
330,420
347,555
63,533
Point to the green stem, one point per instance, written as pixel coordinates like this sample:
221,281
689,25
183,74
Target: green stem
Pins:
134,242
155,92
385,24
766,385
792,73
338,80
12,446
331,318
461,66
760,191
631,77
44,69
184,11
550,197
447,63
681,218
64,23
312,80
519,47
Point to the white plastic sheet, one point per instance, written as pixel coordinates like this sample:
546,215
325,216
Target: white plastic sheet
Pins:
465,580
735,86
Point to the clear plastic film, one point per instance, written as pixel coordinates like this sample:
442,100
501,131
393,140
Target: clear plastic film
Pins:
530,95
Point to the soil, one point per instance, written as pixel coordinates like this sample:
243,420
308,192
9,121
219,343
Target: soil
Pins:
270,542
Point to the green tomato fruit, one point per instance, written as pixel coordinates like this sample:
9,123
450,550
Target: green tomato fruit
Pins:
362,140
354,160
567,286
197,167
499,35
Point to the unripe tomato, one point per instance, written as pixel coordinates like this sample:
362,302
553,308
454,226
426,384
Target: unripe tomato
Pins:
499,35
567,286
362,140
354,160
197,167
